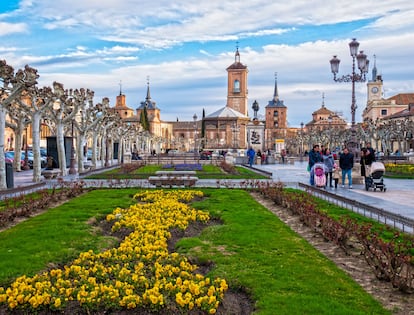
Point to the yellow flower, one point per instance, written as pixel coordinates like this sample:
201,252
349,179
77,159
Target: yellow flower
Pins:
57,303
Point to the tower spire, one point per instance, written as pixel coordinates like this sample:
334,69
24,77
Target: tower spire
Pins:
323,100
148,90
374,69
237,55
276,92
120,87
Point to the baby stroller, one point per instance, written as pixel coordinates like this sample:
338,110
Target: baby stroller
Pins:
319,175
374,176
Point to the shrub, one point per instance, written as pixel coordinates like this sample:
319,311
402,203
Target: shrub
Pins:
127,168
228,168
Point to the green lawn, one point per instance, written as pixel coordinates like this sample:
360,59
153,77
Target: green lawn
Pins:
209,171
252,249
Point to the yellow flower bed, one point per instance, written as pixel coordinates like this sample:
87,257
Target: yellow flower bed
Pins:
400,168
139,273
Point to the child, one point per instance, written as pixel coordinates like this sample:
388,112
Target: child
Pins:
336,174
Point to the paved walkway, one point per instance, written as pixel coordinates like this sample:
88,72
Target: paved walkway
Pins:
396,199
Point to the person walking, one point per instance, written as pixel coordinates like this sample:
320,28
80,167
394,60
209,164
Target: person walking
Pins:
371,151
336,174
251,154
259,156
329,161
346,163
366,160
314,157
283,155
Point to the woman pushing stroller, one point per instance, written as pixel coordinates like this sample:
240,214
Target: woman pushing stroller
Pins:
367,157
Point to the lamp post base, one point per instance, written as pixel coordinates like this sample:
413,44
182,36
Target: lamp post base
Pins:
72,170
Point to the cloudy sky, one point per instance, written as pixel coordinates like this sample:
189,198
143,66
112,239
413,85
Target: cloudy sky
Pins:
184,47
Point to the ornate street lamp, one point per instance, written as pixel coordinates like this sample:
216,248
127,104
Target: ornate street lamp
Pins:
363,63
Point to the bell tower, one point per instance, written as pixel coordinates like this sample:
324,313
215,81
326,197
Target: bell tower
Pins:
374,86
237,92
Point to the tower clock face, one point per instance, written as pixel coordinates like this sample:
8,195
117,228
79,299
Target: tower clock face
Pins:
374,90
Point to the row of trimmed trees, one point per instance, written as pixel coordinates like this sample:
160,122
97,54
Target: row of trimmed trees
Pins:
385,135
64,111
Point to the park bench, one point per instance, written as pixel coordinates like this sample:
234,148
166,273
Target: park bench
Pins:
173,178
50,174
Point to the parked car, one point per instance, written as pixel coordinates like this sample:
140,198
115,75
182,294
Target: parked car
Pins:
205,155
9,156
8,160
30,158
173,152
89,154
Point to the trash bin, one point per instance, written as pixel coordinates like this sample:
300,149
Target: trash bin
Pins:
9,175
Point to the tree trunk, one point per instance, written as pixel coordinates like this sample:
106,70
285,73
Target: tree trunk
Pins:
81,154
37,168
94,149
17,165
3,183
60,142
121,149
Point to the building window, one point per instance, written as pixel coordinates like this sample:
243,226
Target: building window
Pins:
275,113
383,112
236,86
276,124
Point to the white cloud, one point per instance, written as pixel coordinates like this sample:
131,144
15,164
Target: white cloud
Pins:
12,28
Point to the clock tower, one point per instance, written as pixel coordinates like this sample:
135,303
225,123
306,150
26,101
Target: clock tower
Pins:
375,89
374,86
237,85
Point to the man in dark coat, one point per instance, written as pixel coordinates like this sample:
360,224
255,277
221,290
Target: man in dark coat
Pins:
346,163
